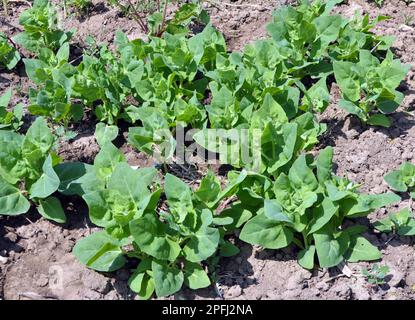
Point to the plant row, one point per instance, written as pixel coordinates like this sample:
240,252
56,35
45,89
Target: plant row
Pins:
274,89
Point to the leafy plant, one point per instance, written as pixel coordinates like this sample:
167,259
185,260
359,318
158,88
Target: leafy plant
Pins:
402,223
370,84
311,202
41,30
151,15
377,274
403,179
170,239
9,56
26,172
10,119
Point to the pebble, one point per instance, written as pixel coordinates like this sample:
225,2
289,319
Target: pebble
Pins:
397,277
234,291
3,260
323,286
410,279
42,281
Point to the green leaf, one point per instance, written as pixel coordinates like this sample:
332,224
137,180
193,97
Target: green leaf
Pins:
322,214
129,182
330,250
48,182
142,283
107,159
274,211
195,277
324,164
105,133
70,174
209,188
12,202
202,245
301,176
100,252
361,250
266,232
306,257
51,209
151,235
379,120
38,137
167,280
347,80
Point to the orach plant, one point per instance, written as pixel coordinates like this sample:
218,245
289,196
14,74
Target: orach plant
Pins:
9,56
403,179
26,172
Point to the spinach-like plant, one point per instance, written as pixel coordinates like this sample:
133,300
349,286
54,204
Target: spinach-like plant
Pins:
26,172
308,207
171,239
370,85
377,274
41,29
403,179
401,222
10,119
9,56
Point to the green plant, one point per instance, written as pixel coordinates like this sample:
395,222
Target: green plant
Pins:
403,179
370,84
26,171
401,222
41,30
151,15
9,56
379,3
376,275
171,239
312,203
10,119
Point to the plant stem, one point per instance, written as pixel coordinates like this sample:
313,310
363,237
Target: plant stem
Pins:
136,16
163,23
6,12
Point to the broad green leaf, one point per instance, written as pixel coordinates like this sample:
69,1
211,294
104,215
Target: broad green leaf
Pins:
306,257
361,250
322,214
301,176
324,164
48,182
107,159
347,79
202,245
51,209
129,182
70,174
167,280
100,252
266,232
39,137
12,166
142,284
274,211
330,250
12,202
379,120
151,235
105,133
195,277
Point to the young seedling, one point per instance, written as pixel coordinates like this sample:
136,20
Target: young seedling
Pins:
376,275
